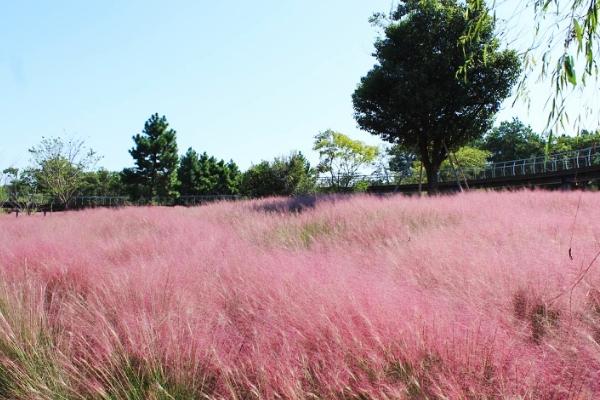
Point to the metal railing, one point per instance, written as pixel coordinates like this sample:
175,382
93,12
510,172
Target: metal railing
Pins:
571,160
119,201
38,202
97,201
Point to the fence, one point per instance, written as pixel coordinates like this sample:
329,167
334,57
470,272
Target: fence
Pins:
119,201
36,202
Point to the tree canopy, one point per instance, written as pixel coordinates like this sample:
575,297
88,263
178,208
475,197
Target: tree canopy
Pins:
102,183
342,157
413,95
512,140
156,160
284,176
59,166
204,175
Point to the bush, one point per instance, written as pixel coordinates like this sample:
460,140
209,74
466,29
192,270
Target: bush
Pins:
284,176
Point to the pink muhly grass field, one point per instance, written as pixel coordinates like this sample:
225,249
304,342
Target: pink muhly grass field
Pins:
469,296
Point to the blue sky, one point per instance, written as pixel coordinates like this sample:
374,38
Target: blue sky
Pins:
241,80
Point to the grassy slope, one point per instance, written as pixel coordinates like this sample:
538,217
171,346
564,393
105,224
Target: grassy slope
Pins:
356,298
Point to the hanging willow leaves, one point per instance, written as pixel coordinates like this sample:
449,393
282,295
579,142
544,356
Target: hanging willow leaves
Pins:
570,70
570,25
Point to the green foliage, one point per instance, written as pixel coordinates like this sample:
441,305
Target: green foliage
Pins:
414,96
102,183
156,160
59,166
400,158
284,176
204,175
361,186
342,157
464,161
189,173
137,379
564,143
17,183
512,140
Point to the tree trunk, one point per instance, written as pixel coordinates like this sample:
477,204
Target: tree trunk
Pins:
431,162
432,179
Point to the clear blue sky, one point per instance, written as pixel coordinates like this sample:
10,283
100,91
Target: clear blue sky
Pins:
241,80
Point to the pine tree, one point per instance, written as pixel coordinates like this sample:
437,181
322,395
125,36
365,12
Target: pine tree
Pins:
205,175
189,173
156,159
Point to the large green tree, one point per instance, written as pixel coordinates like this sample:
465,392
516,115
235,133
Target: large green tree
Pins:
156,159
414,95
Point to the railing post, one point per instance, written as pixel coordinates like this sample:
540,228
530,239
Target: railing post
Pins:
544,165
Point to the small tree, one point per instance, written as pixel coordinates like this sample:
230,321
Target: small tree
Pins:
156,159
414,95
465,160
342,158
227,177
12,184
19,188
285,176
204,175
59,166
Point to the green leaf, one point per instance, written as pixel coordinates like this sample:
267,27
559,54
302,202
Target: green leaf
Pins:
578,30
569,70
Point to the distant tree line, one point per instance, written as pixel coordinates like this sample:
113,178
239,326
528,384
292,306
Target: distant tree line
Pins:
64,168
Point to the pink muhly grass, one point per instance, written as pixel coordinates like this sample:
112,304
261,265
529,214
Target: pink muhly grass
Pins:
468,296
